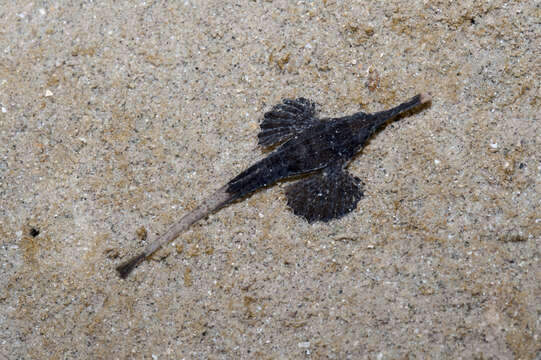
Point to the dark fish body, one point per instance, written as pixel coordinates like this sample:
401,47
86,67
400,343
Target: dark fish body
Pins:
325,143
320,149
319,144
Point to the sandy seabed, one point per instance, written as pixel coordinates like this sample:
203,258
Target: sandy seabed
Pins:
118,117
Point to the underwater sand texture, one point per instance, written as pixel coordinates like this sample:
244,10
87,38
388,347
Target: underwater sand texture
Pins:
117,118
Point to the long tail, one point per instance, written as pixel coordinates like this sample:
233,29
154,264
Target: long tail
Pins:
220,198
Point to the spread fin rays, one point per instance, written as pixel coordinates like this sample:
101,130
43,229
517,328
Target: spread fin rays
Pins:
329,194
286,119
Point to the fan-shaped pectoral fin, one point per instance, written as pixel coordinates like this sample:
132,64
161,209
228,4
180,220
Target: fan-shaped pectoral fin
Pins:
286,119
326,195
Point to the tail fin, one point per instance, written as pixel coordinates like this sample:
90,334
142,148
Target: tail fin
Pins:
126,268
210,205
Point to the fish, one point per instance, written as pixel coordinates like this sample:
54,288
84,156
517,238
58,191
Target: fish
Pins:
315,152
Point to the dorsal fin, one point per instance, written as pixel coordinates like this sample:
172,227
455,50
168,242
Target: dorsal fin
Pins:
286,119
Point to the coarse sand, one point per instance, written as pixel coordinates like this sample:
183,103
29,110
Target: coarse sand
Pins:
119,117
